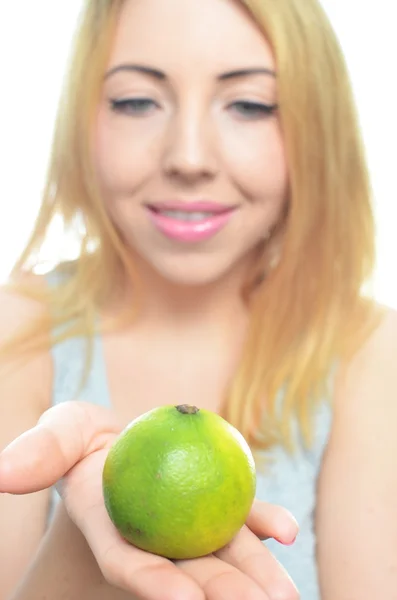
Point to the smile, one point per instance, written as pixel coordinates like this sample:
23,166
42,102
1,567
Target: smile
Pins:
189,225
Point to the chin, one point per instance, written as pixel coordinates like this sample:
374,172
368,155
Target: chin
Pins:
192,277
203,272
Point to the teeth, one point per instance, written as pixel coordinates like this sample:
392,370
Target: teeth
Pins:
186,216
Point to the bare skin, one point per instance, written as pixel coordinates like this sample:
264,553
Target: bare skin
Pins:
356,485
197,137
23,518
94,563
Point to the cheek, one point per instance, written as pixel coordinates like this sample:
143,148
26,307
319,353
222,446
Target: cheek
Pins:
258,163
122,157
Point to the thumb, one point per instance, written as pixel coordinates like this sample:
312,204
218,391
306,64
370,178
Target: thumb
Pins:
64,435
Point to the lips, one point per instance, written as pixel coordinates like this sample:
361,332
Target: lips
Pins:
198,206
189,222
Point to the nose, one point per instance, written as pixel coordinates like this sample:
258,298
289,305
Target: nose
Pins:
190,154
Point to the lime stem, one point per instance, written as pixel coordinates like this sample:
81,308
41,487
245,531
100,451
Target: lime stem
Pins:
186,409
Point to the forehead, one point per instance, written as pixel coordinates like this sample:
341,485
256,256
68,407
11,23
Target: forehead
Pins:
194,33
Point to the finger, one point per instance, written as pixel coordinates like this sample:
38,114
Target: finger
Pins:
272,521
42,455
140,573
250,556
221,580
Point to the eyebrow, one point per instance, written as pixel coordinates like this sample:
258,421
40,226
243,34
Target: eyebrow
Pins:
245,72
161,76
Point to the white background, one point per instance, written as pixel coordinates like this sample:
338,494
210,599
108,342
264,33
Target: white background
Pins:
34,43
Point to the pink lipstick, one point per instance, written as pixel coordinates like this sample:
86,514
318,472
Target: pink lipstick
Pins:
189,221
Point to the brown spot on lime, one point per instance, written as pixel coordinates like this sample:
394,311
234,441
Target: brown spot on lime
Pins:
134,530
158,475
187,409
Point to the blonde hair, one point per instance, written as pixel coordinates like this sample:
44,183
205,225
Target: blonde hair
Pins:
309,311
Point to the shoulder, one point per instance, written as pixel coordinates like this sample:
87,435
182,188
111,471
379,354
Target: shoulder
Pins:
21,306
357,488
15,304
363,437
369,378
23,297
366,385
364,425
382,338
25,393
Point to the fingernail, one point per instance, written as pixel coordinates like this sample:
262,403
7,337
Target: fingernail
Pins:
291,542
282,590
286,542
290,533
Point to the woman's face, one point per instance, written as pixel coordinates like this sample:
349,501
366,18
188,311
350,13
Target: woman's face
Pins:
188,147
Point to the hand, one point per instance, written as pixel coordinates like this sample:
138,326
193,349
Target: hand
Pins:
69,447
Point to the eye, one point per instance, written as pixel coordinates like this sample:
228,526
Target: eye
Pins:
133,106
253,110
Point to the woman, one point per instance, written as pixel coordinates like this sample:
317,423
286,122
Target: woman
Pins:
208,156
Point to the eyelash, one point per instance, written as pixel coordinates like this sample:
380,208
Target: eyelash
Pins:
256,110
245,108
132,106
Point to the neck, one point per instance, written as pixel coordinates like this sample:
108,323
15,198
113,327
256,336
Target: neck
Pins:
215,305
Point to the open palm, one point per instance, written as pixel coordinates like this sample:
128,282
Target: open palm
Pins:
69,446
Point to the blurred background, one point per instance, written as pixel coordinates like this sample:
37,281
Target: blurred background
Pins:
34,44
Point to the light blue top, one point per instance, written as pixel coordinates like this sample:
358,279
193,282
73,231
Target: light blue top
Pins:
289,480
